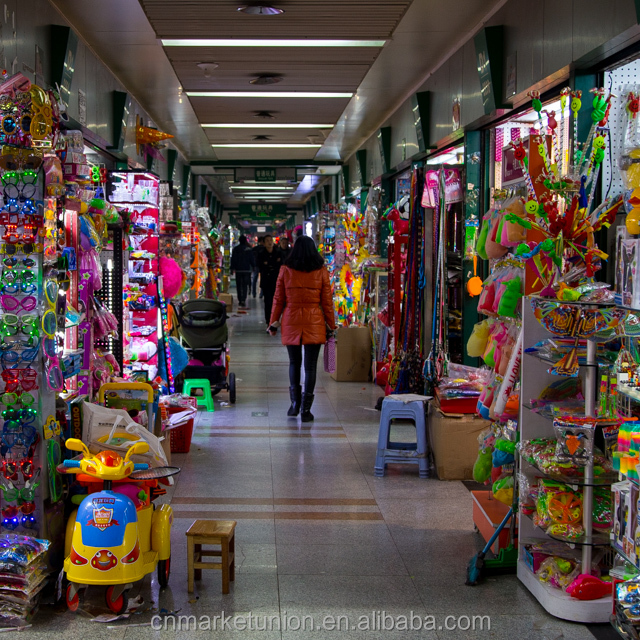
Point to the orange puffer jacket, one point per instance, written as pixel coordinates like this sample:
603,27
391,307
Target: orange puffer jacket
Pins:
304,305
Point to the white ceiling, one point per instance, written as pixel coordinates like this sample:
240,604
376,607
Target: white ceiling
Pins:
419,34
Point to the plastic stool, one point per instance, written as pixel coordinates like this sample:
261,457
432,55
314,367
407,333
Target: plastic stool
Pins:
206,400
402,452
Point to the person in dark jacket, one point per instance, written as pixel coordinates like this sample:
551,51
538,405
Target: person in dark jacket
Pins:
283,245
270,260
243,263
259,246
304,303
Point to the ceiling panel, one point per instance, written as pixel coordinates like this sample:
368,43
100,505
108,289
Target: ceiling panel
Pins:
266,154
281,136
290,110
301,76
363,19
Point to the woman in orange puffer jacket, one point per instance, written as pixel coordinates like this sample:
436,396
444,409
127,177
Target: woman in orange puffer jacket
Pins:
303,304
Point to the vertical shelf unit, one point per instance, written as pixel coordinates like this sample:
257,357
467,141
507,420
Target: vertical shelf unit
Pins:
138,193
534,377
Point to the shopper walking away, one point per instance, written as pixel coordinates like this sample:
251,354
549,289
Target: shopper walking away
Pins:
256,272
242,264
304,306
269,262
283,245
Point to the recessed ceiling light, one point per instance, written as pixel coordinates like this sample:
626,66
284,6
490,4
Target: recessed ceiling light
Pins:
260,10
266,146
268,125
267,78
244,42
265,115
267,94
207,67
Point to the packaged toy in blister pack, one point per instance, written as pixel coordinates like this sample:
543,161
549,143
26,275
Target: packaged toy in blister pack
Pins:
541,453
559,510
627,607
575,439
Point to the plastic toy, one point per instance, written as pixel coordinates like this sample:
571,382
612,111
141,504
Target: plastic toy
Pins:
477,342
586,587
109,539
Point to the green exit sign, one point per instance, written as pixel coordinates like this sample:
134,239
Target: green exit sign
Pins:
265,175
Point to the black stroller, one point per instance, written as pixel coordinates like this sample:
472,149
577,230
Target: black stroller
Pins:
203,332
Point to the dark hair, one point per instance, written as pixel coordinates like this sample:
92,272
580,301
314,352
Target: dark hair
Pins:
261,239
243,240
267,236
304,256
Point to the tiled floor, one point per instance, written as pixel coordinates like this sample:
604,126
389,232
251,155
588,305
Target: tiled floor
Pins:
318,535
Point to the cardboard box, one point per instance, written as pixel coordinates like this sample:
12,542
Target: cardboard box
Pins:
166,445
453,439
353,355
227,298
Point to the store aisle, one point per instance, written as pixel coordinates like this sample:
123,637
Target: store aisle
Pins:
317,534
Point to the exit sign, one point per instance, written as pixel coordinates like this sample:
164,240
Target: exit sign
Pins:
265,175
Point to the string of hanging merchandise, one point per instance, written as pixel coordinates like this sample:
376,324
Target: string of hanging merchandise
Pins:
409,361
437,362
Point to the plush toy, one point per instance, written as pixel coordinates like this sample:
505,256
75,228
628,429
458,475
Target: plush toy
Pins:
482,466
514,233
510,298
477,342
171,277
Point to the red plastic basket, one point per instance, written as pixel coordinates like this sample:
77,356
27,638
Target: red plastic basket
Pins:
181,436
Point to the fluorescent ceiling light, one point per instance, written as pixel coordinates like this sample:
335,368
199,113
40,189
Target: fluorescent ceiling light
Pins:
267,126
257,187
243,42
257,184
266,146
268,94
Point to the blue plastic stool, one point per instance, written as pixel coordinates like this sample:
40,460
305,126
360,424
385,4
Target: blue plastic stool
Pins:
206,399
402,452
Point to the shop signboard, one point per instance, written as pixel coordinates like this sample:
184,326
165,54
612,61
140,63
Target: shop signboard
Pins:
262,210
489,57
265,175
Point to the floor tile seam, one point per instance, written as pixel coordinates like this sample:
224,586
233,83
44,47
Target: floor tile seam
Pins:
281,515
327,502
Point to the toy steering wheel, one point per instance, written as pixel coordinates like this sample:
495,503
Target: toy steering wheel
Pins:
565,508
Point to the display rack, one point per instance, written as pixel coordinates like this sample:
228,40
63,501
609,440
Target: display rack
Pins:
138,193
534,378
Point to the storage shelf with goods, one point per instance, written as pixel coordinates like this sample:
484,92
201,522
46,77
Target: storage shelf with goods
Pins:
577,496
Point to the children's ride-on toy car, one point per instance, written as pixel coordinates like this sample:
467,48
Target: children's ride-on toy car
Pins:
116,536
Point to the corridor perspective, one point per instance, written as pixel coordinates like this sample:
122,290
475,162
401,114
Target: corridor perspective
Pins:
318,538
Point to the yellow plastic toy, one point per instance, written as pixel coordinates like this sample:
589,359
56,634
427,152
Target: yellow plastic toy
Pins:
116,536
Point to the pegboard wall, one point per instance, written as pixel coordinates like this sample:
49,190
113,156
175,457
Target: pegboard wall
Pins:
619,81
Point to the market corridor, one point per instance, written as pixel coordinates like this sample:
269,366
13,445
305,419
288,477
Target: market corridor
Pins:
317,534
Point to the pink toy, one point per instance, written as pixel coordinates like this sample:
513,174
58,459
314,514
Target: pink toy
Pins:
586,587
130,490
171,277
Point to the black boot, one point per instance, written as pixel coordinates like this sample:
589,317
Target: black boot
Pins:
295,393
307,401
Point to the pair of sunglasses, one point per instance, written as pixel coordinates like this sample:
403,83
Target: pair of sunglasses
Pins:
9,303
27,248
11,468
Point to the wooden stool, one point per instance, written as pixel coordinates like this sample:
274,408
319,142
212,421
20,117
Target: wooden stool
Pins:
209,532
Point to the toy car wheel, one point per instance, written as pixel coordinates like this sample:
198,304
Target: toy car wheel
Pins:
119,605
164,569
73,602
232,388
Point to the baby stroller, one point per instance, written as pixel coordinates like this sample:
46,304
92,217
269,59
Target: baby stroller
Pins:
203,332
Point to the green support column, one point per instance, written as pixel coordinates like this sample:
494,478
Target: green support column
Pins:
472,212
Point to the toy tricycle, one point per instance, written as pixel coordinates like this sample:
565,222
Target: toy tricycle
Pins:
116,536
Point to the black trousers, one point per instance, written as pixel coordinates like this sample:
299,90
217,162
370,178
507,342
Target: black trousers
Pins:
268,291
311,353
243,283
